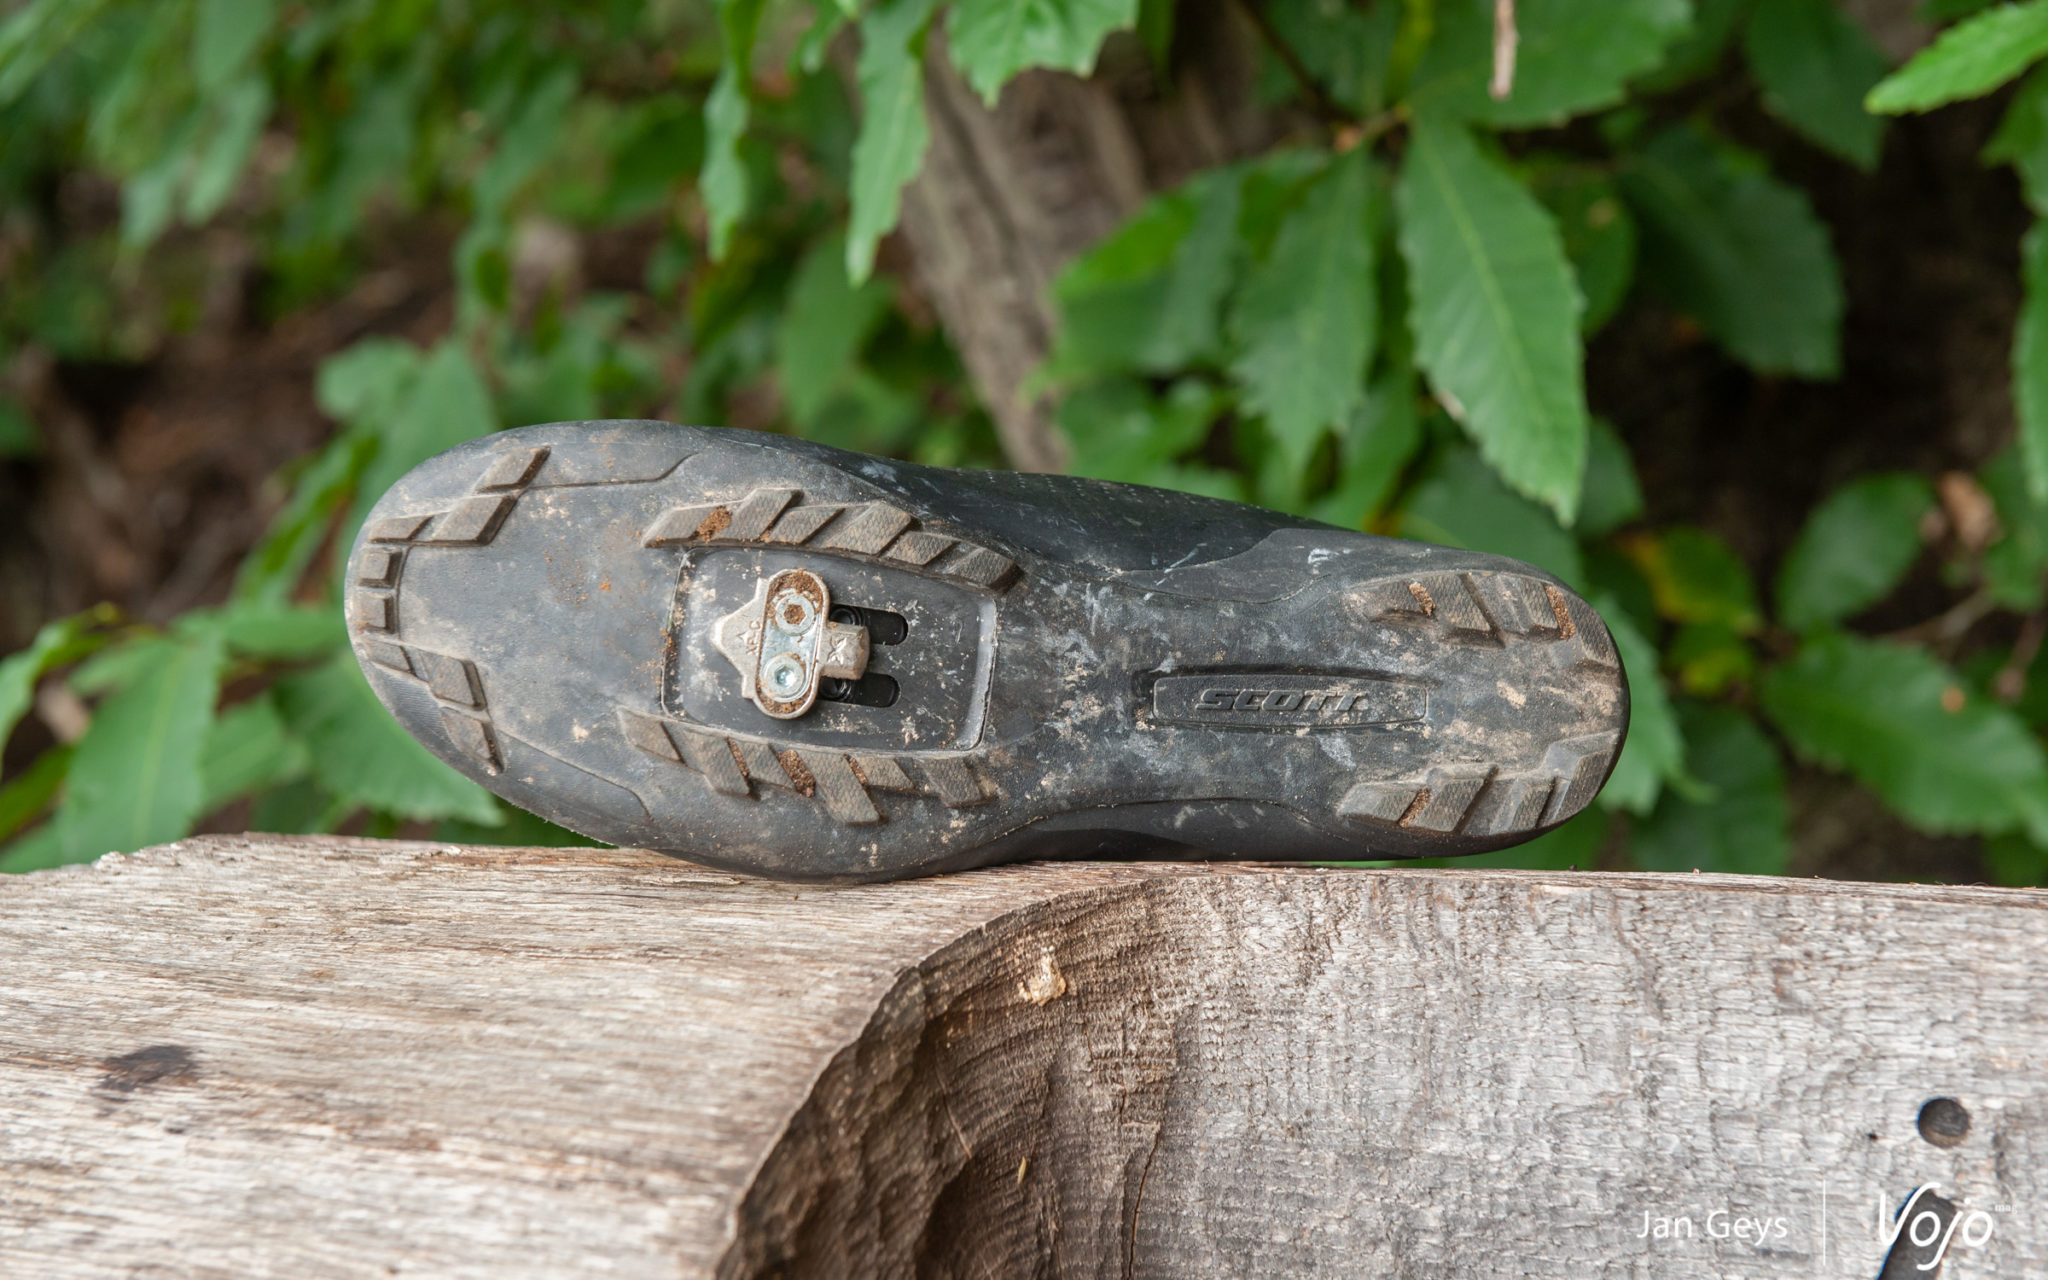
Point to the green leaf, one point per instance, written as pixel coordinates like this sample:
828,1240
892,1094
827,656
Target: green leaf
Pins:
248,749
362,754
525,141
444,405
2030,362
2017,559
1968,60
1573,56
723,180
32,790
1612,497
1148,296
59,642
1855,547
33,36
1119,430
2022,140
135,776
1741,823
1905,726
1599,235
272,570
1815,65
39,849
18,435
1306,319
893,129
1347,51
1700,49
1495,312
1462,503
242,111
1655,752
363,383
823,326
225,35
992,40
1739,251
2015,861
1374,449
1707,657
270,630
1696,577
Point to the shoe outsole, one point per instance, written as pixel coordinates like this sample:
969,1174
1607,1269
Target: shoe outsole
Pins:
535,607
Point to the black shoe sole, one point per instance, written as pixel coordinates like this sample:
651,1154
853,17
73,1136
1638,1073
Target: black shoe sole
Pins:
1056,667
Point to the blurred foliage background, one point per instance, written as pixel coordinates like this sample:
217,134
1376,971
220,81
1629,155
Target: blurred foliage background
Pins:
1730,313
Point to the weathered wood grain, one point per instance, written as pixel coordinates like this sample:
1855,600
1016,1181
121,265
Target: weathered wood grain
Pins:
324,1057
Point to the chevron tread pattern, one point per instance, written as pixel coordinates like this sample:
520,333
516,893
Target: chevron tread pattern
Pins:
840,781
859,528
1493,606
1480,800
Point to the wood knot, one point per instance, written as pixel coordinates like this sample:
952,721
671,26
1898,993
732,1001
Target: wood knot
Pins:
1045,983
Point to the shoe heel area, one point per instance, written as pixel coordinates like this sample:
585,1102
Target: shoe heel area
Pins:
1539,716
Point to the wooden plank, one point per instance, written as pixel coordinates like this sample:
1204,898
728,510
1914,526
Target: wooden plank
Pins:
330,1057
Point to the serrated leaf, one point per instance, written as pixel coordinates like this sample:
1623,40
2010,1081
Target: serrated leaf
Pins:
893,129
1495,312
225,35
1815,65
1307,317
1741,822
2030,362
823,325
723,180
1904,725
1739,251
363,755
1696,577
1969,59
135,776
1855,547
992,40
1572,56
1654,753
1462,503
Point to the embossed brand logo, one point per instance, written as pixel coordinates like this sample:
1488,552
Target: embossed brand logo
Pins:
1286,701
